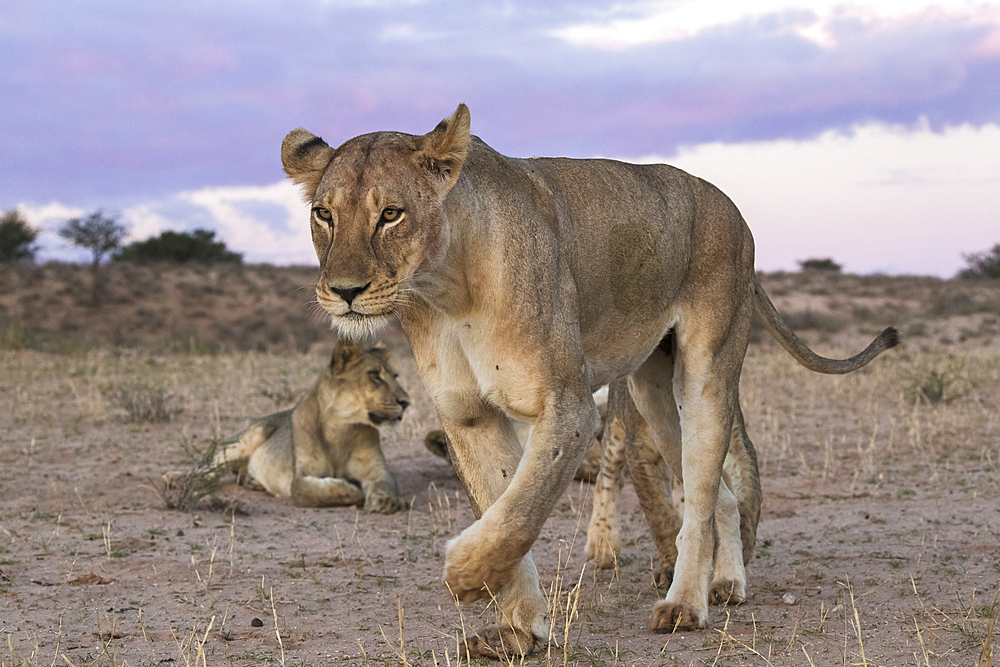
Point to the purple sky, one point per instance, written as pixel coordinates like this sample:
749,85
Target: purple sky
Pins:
134,106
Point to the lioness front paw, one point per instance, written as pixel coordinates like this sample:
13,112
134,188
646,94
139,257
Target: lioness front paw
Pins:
727,591
663,577
497,644
475,568
385,504
603,546
670,616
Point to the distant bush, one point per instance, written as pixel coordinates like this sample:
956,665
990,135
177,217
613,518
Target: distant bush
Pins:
943,380
982,265
144,404
17,238
812,320
198,246
825,264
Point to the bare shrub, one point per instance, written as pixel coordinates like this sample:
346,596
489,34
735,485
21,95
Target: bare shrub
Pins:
144,403
197,482
939,381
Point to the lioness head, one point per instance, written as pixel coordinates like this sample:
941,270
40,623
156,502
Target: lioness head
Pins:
361,387
377,213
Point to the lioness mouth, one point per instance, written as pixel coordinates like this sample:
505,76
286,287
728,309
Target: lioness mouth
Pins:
378,419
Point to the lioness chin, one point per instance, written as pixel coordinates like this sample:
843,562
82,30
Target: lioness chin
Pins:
525,284
326,451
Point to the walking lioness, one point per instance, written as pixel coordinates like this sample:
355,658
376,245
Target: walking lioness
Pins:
525,284
325,451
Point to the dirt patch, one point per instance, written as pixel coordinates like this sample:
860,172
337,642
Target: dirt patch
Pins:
879,542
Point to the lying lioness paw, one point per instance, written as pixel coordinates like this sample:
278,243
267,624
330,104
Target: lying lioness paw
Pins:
525,284
325,451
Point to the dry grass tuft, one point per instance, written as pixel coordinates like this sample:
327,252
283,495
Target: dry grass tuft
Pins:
144,403
197,483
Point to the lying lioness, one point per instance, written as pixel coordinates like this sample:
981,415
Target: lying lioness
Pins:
522,286
325,451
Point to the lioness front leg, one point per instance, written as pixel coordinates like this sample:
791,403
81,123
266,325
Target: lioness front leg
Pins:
485,452
492,555
366,464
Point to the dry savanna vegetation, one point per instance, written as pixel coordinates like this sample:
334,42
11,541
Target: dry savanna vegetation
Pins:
879,542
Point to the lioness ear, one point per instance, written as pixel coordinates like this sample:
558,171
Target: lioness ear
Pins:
444,148
381,351
305,157
343,354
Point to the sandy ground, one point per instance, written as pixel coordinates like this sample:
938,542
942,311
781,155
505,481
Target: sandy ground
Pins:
878,542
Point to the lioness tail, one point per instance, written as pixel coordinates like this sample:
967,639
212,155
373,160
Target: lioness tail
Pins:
798,349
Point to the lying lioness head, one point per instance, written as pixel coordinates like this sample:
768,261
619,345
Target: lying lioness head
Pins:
523,285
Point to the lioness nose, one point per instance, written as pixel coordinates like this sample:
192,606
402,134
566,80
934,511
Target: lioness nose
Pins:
348,294
403,404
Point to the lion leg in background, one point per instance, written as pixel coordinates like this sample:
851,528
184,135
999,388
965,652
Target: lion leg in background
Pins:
271,463
603,534
741,470
652,457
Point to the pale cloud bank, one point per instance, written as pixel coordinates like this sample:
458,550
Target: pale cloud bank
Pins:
267,224
623,26
879,198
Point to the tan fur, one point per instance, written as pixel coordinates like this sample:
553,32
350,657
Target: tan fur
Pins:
436,443
326,451
523,285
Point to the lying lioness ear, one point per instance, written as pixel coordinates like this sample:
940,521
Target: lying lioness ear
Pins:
443,149
381,351
344,353
305,157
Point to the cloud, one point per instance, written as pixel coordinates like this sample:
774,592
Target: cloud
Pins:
267,224
878,198
627,25
148,99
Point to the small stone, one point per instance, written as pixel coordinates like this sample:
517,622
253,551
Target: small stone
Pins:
813,592
257,623
790,598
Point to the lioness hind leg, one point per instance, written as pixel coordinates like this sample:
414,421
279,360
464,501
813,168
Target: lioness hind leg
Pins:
603,534
236,455
701,376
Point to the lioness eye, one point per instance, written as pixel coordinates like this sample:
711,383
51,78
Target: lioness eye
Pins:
323,214
390,215
374,376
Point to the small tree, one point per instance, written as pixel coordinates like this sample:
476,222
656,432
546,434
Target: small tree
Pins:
825,264
17,238
197,246
982,265
98,233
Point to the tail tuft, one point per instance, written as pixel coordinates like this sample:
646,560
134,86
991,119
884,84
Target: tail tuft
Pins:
890,336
